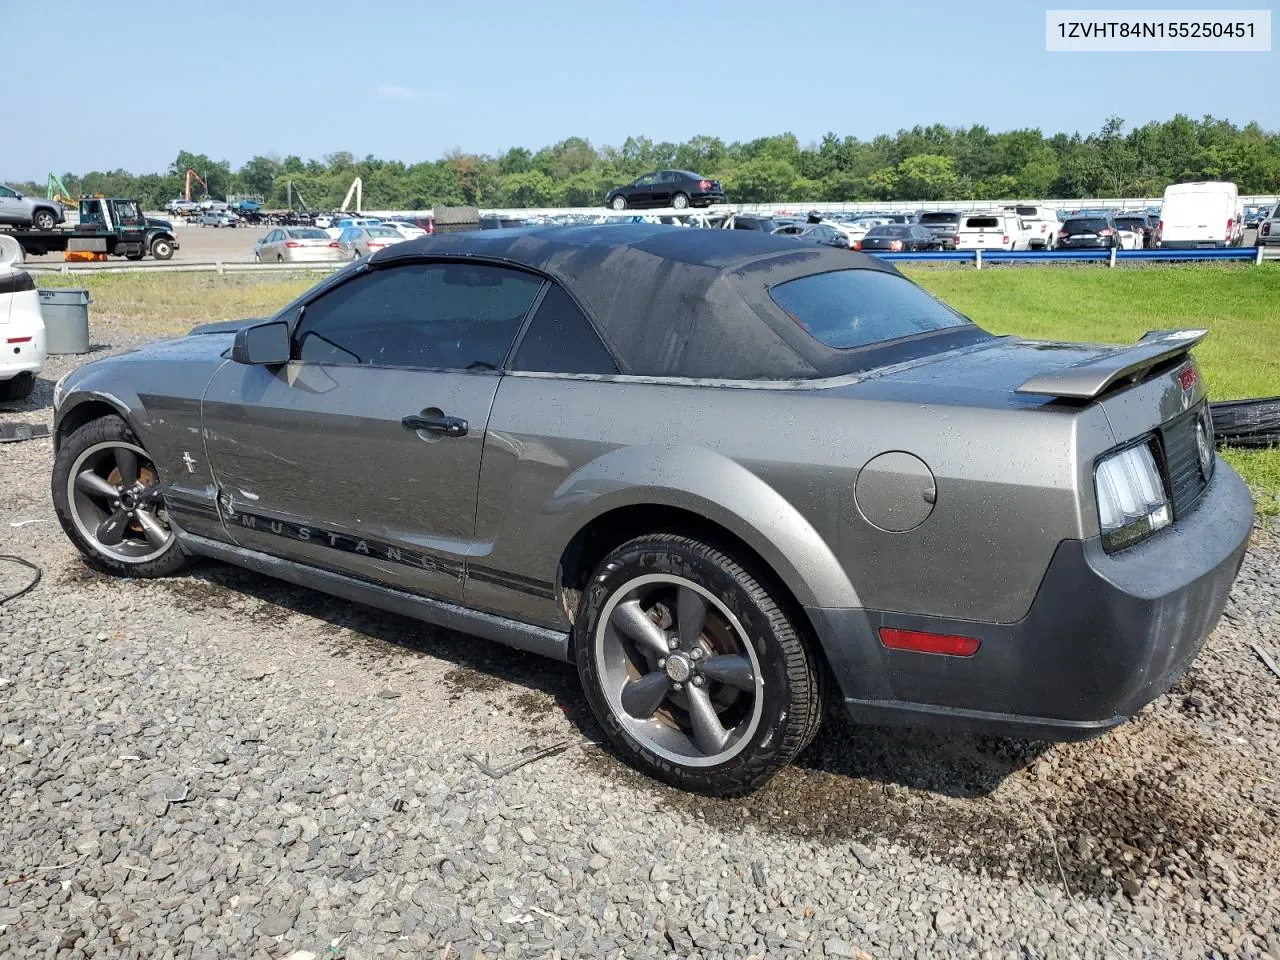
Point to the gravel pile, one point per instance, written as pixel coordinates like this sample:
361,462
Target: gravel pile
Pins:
224,766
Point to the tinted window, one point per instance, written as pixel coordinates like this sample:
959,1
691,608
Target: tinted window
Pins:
1085,225
6,192
982,223
306,233
560,339
1027,211
1131,223
888,230
940,218
425,315
854,308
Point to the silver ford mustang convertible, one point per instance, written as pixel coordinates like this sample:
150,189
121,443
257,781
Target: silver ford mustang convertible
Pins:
725,475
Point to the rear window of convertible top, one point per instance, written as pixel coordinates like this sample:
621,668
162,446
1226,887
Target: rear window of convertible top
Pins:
847,309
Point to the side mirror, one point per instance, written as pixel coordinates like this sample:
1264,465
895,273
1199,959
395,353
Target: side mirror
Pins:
264,344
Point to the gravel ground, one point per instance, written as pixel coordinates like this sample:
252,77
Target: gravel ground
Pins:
219,765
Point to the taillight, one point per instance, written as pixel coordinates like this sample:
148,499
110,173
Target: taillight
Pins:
895,245
1230,221
1062,234
292,243
704,184
333,243
1005,238
18,339
375,246
1159,230
956,240
857,245
1105,232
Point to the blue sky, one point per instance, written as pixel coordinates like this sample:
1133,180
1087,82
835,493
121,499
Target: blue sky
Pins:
411,80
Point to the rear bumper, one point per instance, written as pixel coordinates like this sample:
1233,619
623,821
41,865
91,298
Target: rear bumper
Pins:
1105,636
1193,244
706,199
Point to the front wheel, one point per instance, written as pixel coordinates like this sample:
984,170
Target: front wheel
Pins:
619,203
43,220
107,496
694,667
162,249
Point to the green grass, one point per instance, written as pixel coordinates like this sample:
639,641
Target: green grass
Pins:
1239,306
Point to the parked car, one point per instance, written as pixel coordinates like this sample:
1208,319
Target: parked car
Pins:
666,188
1201,214
898,238
943,224
182,208
1088,233
1137,223
410,231
1040,224
21,334
999,230
296,245
744,221
825,234
34,212
1045,565
1269,229
1254,215
336,227
217,218
355,242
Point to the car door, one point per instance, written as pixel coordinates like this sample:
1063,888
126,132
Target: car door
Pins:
10,207
665,188
643,191
362,453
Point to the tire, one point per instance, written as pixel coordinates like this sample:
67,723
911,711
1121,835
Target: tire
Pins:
97,448
680,201
1246,423
162,249
133,256
43,220
279,258
17,388
619,203
763,715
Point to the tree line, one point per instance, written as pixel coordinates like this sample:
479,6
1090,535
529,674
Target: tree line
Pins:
923,163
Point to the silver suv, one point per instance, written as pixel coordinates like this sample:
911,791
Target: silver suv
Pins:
23,211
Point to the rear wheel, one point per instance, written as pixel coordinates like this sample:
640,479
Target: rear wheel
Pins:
43,220
693,666
17,388
680,201
619,203
107,496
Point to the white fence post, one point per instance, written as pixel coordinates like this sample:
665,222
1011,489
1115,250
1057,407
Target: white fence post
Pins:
1113,258
1257,257
977,259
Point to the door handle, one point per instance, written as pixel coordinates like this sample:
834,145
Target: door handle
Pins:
448,426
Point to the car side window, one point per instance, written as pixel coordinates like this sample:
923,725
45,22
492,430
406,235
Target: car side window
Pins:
429,316
6,192
560,339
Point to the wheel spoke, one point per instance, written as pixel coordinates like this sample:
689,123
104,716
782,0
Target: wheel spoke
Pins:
89,483
691,617
735,670
629,618
127,464
709,734
150,494
111,530
640,698
152,529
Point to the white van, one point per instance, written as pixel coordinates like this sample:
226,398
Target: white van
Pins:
999,230
1040,223
1204,214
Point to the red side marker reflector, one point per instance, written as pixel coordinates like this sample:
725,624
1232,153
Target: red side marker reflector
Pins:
19,340
922,642
1188,378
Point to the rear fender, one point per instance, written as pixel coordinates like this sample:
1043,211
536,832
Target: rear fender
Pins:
723,491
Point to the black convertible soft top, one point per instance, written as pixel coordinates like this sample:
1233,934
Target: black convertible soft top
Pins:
671,301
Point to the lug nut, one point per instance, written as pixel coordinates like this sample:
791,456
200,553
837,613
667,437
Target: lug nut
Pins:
662,662
696,653
699,680
677,686
673,643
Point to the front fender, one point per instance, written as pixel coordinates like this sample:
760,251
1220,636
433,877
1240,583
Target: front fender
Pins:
723,491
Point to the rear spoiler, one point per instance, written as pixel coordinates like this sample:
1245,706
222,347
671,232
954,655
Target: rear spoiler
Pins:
1092,378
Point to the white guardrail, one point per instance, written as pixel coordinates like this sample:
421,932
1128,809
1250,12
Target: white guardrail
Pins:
182,266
